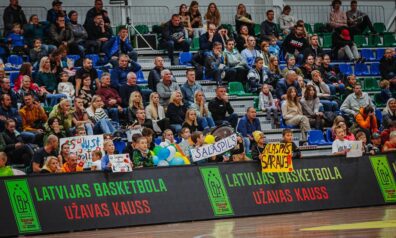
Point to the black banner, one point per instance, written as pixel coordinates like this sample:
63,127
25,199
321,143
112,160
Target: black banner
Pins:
83,201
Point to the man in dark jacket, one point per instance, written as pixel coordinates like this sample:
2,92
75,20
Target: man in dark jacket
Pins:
313,49
8,112
13,14
295,43
220,105
16,149
173,37
388,67
97,9
60,33
154,76
5,88
98,34
268,27
55,11
206,40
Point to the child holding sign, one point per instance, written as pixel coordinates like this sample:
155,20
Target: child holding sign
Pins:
96,160
340,146
287,137
198,139
108,147
142,156
259,146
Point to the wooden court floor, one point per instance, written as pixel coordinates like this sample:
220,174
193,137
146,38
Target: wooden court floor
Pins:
377,221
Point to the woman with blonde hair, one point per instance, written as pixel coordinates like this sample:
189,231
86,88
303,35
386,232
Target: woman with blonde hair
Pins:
213,15
242,17
156,113
135,103
176,111
292,113
51,165
191,120
98,115
204,116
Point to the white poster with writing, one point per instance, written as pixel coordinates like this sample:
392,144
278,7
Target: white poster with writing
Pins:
216,148
120,163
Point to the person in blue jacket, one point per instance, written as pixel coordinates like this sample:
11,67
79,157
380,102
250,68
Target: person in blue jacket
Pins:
119,44
119,73
247,125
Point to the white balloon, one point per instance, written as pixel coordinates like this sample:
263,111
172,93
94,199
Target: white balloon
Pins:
162,163
172,153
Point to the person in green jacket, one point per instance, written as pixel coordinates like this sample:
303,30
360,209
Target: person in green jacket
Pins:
142,156
64,113
4,170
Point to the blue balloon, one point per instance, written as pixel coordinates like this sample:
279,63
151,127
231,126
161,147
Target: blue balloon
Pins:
162,163
176,161
163,154
155,160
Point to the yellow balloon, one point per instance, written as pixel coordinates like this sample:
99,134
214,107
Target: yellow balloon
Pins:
209,139
178,154
186,161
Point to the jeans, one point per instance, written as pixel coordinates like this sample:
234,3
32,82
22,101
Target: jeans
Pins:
88,128
176,128
28,137
205,122
104,126
171,45
333,89
329,105
113,114
246,142
53,99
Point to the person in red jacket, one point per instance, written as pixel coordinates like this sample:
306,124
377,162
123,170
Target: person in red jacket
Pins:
110,97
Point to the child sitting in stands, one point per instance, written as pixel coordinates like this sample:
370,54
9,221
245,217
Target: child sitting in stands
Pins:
80,131
167,138
340,146
16,41
377,142
4,169
37,52
385,91
274,49
198,140
367,148
287,137
185,143
391,144
108,147
142,156
259,146
96,160
65,87
149,134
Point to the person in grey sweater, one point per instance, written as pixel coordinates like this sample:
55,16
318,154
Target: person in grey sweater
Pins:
310,105
166,87
267,103
355,101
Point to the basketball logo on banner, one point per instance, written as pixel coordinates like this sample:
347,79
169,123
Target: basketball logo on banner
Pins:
277,157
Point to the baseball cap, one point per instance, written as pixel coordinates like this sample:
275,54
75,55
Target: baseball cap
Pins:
345,34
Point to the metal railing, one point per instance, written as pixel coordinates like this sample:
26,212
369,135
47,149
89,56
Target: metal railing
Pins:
320,13
41,12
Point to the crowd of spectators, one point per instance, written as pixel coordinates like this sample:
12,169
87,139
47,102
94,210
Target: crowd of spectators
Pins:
55,97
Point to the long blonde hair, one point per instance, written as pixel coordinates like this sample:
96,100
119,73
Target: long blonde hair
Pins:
41,66
173,96
201,107
131,98
153,109
195,123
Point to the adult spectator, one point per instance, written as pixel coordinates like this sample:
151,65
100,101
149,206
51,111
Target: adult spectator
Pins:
64,113
295,43
287,21
38,96
173,37
204,116
48,82
247,125
331,77
215,65
250,53
284,84
99,117
323,92
291,65
292,113
273,72
207,39
87,69
33,117
156,113
118,45
135,103
97,9
310,105
213,14
80,116
61,34
15,148
50,148
129,88
195,18
257,76
13,14
110,97
37,52
338,17
366,121
166,87
220,106
71,164
54,128
25,70
189,88
185,19
5,88
268,27
308,66
119,73
389,114
51,165
8,112
79,32
313,48
243,18
98,34
35,29
176,111
141,121
237,66
355,101
55,12
388,67
358,21
242,38
86,93
154,76
344,46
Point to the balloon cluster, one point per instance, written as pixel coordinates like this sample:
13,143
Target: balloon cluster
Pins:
168,156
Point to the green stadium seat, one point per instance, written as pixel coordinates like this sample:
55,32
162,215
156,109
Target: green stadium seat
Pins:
278,29
195,44
366,31
379,27
371,84
257,29
319,27
360,41
327,41
374,41
236,88
256,104
308,27
377,101
389,40
142,29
